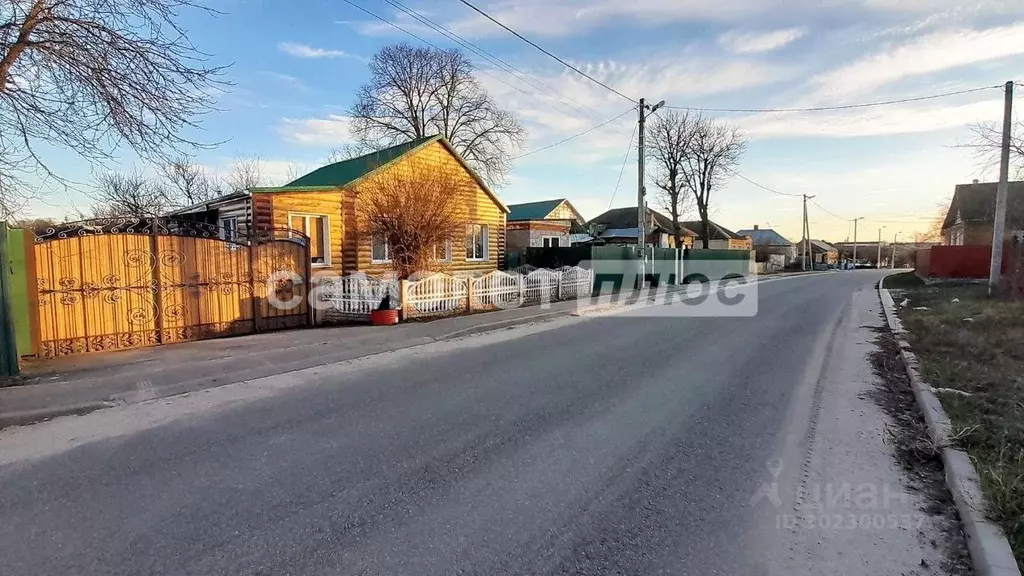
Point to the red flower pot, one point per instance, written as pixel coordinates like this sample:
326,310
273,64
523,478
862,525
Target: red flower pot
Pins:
384,317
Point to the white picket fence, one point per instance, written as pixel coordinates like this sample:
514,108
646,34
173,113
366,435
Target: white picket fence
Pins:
354,297
436,294
351,297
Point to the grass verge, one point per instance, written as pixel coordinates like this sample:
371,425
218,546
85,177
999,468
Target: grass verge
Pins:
971,350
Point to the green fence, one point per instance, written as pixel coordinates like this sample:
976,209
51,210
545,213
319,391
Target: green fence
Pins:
715,264
8,345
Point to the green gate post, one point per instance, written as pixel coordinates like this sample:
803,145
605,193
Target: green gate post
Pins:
8,346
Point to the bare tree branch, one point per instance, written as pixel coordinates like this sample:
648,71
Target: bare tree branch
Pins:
987,142
188,183
246,172
417,92
90,75
127,195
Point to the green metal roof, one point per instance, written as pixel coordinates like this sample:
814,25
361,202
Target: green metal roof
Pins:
343,173
533,210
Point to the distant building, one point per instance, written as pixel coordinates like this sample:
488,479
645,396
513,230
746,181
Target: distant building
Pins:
767,242
619,226
546,223
719,237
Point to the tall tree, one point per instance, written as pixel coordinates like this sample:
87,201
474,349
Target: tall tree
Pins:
246,172
669,136
714,149
89,75
416,92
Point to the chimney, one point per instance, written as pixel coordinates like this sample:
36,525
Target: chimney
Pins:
755,226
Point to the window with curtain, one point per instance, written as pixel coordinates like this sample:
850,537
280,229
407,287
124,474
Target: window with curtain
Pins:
443,251
380,252
314,226
476,242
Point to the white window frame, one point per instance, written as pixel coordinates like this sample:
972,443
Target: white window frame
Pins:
447,251
327,235
387,252
549,239
223,232
485,237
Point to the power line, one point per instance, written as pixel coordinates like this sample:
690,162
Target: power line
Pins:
827,211
556,58
574,136
762,186
427,42
839,107
495,60
629,148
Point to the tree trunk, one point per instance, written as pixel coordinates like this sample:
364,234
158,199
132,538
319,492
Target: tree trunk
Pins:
25,32
704,237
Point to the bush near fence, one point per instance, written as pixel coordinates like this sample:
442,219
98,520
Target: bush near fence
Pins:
352,298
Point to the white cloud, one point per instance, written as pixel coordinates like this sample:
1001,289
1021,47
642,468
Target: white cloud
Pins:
307,51
330,131
741,42
890,120
934,52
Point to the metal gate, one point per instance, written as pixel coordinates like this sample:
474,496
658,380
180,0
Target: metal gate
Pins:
112,284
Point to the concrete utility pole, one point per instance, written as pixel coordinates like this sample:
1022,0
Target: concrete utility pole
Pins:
855,241
999,226
807,236
892,258
641,192
878,257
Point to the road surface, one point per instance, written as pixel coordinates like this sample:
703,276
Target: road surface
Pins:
608,445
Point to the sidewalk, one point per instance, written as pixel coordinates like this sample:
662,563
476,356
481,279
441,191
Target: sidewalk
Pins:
80,384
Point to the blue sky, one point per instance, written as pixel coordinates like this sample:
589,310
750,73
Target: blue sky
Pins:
296,65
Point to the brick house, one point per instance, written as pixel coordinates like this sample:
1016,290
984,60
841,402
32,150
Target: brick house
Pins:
543,224
972,211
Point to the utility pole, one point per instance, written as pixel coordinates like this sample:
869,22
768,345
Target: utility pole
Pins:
999,226
641,192
878,257
855,241
807,237
892,259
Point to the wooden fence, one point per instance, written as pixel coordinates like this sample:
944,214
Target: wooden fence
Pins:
354,297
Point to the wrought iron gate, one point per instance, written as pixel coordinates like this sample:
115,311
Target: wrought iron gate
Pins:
120,283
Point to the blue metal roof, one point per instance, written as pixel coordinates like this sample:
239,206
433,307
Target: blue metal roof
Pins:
765,237
533,210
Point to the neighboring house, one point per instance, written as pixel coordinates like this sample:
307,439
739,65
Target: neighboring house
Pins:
547,224
821,252
972,212
719,237
322,205
619,226
767,243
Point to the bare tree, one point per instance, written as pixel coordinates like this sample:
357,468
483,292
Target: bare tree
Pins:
246,172
416,92
89,75
987,142
669,136
188,183
127,195
346,151
714,149
415,212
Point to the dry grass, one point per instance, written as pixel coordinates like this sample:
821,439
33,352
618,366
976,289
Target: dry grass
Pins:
975,345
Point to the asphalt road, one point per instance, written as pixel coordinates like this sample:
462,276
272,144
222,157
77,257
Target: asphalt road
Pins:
611,445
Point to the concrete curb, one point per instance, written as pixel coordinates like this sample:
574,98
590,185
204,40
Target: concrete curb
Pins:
990,551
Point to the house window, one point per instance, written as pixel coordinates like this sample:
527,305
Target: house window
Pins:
476,242
229,228
315,226
380,252
551,241
443,251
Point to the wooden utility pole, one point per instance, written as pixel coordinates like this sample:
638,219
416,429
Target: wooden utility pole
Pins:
855,241
807,238
641,192
999,225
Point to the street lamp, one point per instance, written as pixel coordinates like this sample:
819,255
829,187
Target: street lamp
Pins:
878,257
